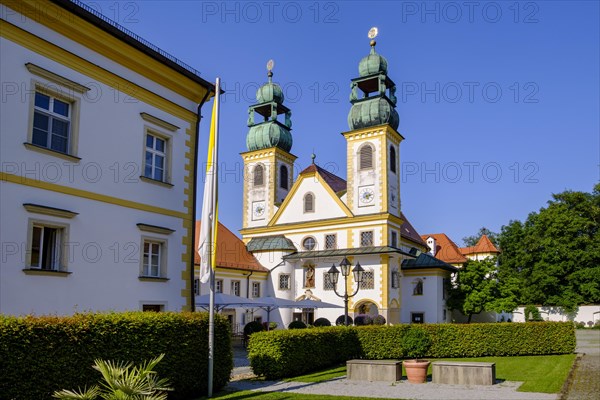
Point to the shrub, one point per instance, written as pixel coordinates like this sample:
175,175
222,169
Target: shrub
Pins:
321,322
271,326
297,325
416,342
579,325
363,319
379,320
58,352
340,320
253,326
532,313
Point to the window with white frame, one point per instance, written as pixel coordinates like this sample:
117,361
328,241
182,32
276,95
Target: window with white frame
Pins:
219,286
235,288
331,242
255,289
51,123
284,282
155,159
309,202
368,281
418,287
46,247
366,238
395,279
152,258
327,284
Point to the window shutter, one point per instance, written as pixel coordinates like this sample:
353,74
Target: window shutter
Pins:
366,157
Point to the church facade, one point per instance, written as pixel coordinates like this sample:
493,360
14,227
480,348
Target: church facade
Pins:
298,229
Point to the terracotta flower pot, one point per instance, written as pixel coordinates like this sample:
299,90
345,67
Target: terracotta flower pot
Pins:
416,370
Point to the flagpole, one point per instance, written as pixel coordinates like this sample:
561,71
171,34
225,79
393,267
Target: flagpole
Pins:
213,246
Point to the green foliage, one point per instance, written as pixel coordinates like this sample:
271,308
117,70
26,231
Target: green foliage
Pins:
321,322
363,319
379,320
554,256
416,342
253,326
123,381
57,352
470,241
340,321
272,325
284,353
297,325
477,289
532,314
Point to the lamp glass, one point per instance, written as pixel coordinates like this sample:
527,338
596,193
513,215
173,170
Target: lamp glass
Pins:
358,273
334,274
345,266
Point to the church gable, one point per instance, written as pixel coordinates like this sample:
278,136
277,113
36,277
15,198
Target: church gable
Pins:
310,199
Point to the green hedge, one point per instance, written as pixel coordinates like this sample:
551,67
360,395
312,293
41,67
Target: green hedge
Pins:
283,353
39,355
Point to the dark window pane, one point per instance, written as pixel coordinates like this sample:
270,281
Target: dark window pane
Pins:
160,145
60,107
60,128
59,144
35,246
40,138
158,174
42,101
159,161
149,141
40,121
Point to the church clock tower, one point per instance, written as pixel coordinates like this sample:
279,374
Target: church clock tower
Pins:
373,142
268,163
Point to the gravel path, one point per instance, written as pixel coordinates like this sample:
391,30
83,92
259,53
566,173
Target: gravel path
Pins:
585,381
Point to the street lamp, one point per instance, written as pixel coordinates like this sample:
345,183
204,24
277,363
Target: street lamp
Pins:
334,274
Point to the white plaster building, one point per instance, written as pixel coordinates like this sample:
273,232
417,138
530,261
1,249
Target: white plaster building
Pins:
98,138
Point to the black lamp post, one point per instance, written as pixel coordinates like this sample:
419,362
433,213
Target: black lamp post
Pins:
334,274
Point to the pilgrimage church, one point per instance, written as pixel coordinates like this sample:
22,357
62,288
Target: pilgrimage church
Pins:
298,229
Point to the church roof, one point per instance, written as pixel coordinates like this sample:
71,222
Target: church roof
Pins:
356,251
484,245
425,260
231,251
446,250
409,232
273,242
336,183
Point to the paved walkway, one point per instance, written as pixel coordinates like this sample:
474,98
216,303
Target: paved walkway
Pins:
585,379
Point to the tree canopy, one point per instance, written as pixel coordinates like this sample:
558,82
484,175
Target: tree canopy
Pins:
554,256
470,241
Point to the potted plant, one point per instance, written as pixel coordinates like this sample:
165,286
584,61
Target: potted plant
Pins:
415,344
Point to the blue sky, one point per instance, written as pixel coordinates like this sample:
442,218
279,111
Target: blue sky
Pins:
498,101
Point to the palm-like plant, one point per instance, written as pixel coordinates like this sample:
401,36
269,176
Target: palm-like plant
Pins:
122,381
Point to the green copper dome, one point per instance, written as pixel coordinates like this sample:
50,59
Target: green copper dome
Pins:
269,92
269,134
372,64
371,112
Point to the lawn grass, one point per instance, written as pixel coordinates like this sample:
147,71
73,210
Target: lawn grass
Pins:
249,394
545,374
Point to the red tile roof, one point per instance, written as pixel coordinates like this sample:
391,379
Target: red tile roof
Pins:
446,250
335,182
407,231
231,251
484,245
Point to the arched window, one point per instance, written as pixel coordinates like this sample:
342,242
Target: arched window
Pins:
259,175
418,288
392,159
309,243
365,157
283,177
309,202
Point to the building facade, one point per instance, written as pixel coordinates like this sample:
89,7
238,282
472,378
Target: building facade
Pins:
298,229
98,137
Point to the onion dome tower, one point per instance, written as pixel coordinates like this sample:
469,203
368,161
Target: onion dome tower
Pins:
268,162
373,140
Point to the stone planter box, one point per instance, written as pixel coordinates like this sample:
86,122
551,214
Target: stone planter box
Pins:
374,370
463,373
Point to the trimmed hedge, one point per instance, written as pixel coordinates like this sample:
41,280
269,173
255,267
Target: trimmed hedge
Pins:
39,355
282,353
290,353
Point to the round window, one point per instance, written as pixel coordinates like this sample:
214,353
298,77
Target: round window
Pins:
309,243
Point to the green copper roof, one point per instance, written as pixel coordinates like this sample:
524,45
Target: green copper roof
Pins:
269,92
276,242
425,260
372,64
269,134
371,112
357,251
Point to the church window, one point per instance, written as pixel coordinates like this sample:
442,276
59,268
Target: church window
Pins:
366,238
368,281
365,157
327,284
418,288
392,159
330,242
395,279
309,243
284,282
259,175
309,202
283,177
394,239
